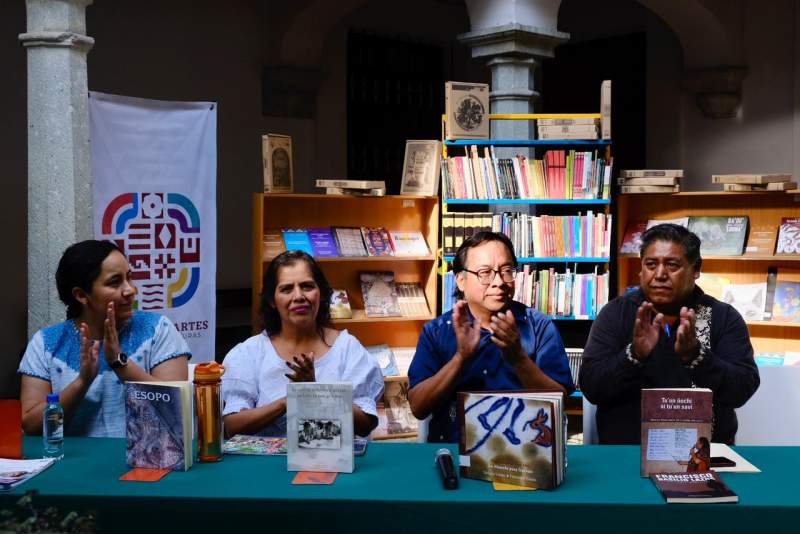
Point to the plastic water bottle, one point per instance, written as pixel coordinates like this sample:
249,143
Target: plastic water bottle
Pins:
53,428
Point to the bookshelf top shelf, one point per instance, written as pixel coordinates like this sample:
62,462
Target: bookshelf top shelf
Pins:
339,197
528,142
711,257
558,259
527,201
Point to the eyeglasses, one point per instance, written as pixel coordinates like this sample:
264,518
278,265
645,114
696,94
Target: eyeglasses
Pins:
485,276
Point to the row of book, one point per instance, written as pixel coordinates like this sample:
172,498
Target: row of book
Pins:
755,182
560,175
775,299
650,180
383,297
568,129
568,294
726,235
333,242
563,236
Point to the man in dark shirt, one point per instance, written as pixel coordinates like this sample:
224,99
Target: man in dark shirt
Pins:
666,334
486,342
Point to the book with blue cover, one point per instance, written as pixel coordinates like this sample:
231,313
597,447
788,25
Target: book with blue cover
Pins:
297,239
158,425
786,306
323,243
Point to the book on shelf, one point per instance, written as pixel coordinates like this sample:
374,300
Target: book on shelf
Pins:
158,425
632,241
421,168
559,174
771,186
680,221
749,178
748,299
575,358
256,445
297,239
575,135
15,472
319,426
605,109
761,241
466,110
720,236
408,243
772,285
380,294
448,296
567,294
712,284
689,488
323,243
375,192
385,358
349,241
577,121
352,184
276,153
272,244
651,173
676,430
340,305
513,437
786,306
395,418
638,189
377,241
788,236
660,181
411,299
568,129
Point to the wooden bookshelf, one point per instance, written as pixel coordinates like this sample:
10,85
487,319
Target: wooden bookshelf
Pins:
392,212
762,209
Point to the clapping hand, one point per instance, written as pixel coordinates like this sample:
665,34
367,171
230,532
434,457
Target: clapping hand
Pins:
303,367
89,355
110,337
686,344
646,330
505,335
468,334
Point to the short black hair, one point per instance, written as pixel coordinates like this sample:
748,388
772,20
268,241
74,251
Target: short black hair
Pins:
677,234
460,260
80,266
270,317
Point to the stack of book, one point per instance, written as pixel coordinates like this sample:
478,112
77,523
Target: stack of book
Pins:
560,174
755,182
370,188
535,236
650,180
338,241
567,129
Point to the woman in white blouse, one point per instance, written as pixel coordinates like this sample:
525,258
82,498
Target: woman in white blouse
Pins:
296,345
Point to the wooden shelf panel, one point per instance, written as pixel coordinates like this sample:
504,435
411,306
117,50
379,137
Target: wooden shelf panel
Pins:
360,317
734,258
784,324
368,259
322,196
558,201
710,194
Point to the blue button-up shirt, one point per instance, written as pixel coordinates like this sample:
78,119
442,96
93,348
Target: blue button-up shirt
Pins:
487,370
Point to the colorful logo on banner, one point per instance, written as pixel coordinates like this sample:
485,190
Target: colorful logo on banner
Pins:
160,235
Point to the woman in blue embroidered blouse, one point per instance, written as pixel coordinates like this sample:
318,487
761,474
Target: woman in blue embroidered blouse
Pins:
103,343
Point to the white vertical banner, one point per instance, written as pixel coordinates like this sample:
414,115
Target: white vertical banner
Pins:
155,174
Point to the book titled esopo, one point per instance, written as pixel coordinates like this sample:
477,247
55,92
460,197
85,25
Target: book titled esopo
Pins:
158,425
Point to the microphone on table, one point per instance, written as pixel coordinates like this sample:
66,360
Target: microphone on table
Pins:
445,462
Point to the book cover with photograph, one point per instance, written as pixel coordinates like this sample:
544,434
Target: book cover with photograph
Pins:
258,445
712,284
632,242
377,241
789,236
421,168
688,488
385,357
512,437
680,221
340,305
676,430
380,294
720,236
158,424
786,306
466,110
749,300
319,427
277,155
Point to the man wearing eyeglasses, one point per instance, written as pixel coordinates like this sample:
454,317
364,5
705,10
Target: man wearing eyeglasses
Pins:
487,342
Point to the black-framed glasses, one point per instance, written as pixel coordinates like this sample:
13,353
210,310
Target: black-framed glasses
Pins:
485,276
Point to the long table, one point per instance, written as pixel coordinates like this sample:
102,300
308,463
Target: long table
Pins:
396,488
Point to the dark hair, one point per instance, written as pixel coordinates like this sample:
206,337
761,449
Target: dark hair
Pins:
677,234
269,315
460,261
80,266
704,444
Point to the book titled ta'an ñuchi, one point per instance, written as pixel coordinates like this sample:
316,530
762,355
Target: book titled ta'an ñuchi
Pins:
513,437
159,425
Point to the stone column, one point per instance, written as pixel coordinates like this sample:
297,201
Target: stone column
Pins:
59,166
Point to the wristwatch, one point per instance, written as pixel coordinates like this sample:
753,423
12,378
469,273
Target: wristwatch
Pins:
121,361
